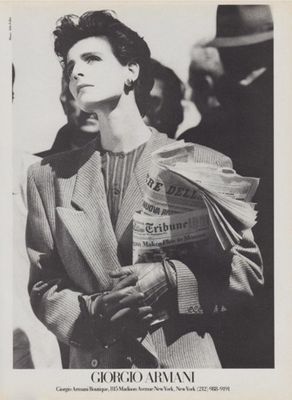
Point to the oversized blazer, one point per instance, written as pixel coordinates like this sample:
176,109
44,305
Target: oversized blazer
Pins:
72,247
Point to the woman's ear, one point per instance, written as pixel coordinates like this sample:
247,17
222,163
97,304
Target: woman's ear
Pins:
132,75
133,71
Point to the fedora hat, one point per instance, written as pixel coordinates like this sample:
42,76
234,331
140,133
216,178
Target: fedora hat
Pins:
242,25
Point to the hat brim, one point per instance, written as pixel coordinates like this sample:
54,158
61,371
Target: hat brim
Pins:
241,40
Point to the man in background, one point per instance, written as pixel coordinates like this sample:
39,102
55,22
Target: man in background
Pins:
244,40
165,111
204,71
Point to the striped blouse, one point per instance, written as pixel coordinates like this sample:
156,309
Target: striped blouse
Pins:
117,169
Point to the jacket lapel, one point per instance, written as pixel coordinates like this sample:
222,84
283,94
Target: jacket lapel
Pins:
132,202
88,221
133,198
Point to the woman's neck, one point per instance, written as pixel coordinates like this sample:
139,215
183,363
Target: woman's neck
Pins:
122,127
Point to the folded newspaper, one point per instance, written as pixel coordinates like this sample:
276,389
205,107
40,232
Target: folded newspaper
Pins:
186,201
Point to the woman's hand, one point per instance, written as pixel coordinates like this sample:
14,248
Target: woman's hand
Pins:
152,280
123,308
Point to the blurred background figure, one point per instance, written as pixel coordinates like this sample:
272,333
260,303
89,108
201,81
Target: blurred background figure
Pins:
33,345
245,44
243,129
205,70
79,130
165,110
232,85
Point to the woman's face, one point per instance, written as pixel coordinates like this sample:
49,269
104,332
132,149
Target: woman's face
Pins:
96,76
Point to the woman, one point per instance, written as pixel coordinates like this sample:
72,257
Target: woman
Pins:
79,231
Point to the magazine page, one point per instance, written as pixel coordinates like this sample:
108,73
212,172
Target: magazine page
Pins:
145,199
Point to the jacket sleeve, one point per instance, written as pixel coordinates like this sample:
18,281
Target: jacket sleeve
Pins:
218,282
53,298
215,281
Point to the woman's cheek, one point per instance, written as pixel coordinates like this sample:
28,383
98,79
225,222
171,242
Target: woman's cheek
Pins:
72,90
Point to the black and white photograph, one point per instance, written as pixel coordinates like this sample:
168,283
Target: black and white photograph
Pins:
143,194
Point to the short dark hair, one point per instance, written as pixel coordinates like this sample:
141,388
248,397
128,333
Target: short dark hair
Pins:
127,45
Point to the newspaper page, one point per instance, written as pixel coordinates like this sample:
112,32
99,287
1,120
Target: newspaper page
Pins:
155,238
177,184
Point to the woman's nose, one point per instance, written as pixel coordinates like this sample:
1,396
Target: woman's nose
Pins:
77,74
77,71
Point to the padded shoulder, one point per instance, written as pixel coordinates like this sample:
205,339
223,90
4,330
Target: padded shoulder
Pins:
63,165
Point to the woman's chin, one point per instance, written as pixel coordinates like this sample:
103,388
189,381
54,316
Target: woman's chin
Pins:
91,106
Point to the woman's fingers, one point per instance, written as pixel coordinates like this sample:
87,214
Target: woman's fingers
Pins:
145,321
121,315
124,298
121,273
138,326
129,280
117,296
143,311
132,300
